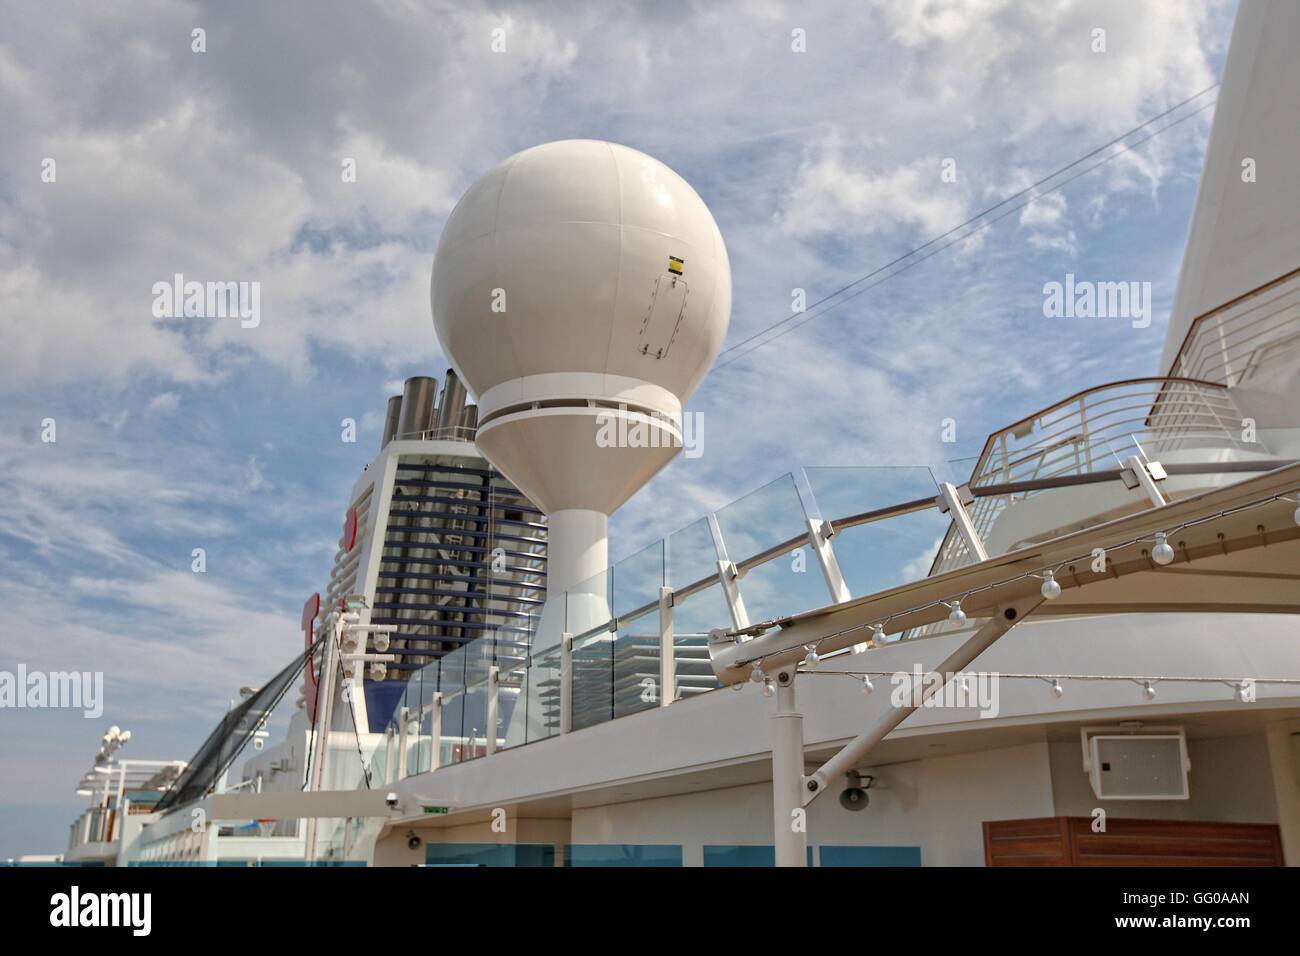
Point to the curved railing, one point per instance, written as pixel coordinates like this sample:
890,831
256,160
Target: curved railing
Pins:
1096,430
1230,343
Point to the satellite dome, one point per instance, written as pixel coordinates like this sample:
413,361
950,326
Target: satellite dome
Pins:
575,282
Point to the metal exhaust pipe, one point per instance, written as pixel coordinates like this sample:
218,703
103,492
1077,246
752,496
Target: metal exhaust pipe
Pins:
392,415
417,406
468,423
453,401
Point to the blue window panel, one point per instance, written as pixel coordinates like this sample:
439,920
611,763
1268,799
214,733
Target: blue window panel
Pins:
871,856
489,854
744,856
622,854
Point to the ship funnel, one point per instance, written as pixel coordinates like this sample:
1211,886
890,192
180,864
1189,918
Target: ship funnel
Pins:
417,406
581,290
468,422
453,402
392,415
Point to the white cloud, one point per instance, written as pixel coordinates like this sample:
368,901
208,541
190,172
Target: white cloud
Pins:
164,403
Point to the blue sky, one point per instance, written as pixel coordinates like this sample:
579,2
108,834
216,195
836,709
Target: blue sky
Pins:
224,165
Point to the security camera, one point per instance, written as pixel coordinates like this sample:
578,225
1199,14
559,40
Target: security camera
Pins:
854,796
391,800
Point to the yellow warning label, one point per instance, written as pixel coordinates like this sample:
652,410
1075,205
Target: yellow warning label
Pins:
675,265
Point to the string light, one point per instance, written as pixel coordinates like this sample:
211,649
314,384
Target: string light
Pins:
955,614
810,659
1162,553
1241,687
757,676
768,687
878,634
1050,589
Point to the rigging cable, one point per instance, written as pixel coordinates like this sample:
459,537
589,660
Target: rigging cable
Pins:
808,315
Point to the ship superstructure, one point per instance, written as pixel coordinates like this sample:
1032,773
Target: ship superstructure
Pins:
1099,665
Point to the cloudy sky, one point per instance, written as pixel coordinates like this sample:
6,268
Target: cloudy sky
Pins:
819,164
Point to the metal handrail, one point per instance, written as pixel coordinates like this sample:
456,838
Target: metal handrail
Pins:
1238,337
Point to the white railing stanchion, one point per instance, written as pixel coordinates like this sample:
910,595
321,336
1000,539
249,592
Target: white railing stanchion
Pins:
493,686
667,649
566,683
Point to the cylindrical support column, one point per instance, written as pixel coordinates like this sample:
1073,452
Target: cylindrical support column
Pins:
789,820
577,549
577,555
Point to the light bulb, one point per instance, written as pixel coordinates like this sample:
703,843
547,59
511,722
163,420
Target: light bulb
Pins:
1149,690
867,686
1051,589
878,634
1057,690
1243,693
757,676
1297,516
810,660
768,688
1162,553
955,614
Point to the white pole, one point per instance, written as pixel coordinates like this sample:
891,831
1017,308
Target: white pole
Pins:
848,758
789,830
667,649
566,683
435,731
324,714
493,686
401,743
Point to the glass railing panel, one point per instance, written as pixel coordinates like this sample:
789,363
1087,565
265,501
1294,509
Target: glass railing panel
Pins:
784,586
762,519
415,728
691,555
451,683
587,604
636,665
542,697
693,617
512,701
550,623
593,680
637,578
890,551
474,709
691,665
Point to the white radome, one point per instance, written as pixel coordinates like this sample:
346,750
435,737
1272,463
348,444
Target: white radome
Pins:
576,281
